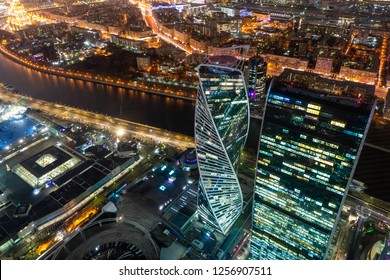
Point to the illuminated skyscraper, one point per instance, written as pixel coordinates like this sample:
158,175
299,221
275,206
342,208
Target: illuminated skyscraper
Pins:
309,146
257,78
221,129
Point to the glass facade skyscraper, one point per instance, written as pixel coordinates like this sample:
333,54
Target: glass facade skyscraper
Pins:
221,129
257,77
309,146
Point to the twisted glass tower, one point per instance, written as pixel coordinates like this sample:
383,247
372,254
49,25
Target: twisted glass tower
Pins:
221,128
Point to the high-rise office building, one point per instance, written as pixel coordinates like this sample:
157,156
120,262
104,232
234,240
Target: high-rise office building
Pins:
309,146
257,77
221,129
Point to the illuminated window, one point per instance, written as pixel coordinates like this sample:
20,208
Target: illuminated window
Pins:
338,123
313,106
311,111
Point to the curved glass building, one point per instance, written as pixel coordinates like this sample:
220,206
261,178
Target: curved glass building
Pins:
221,128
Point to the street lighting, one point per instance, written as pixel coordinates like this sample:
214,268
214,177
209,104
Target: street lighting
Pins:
120,132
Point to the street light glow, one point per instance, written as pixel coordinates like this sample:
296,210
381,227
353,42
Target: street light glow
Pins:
120,132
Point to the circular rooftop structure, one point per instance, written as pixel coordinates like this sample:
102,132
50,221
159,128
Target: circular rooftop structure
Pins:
224,60
109,239
188,161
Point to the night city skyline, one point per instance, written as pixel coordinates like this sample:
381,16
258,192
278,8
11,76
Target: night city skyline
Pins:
194,130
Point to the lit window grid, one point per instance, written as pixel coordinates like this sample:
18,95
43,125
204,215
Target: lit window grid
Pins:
257,77
327,121
271,191
291,232
221,127
324,163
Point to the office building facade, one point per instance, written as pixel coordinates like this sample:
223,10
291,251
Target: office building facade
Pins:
309,146
221,128
257,77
